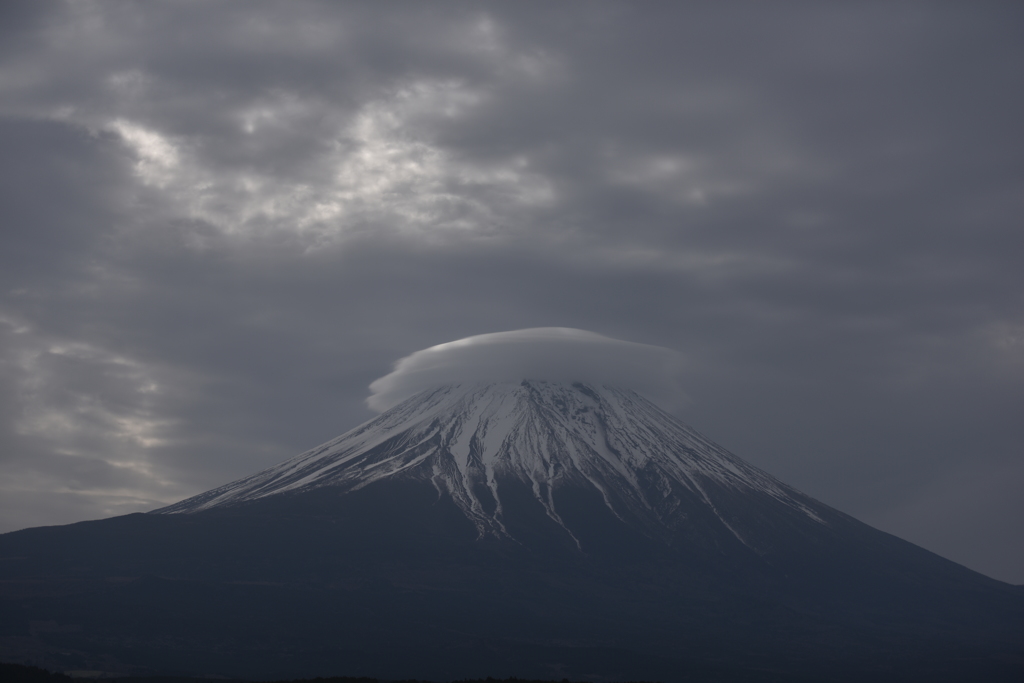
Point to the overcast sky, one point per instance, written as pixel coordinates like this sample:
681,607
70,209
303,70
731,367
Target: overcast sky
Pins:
221,221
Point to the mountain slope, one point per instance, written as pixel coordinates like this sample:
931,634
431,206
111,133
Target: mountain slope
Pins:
533,529
466,440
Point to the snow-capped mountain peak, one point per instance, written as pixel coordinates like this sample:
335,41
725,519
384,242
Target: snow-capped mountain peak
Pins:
470,441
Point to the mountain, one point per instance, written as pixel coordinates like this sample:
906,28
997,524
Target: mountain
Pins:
535,529
482,445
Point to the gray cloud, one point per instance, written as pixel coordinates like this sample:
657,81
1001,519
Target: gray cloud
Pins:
559,354
222,222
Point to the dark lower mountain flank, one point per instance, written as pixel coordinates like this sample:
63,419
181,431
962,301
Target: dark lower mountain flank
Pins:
532,529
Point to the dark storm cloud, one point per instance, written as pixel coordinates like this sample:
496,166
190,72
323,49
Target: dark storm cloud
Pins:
223,221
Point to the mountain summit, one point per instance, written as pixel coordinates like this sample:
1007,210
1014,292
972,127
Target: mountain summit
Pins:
539,529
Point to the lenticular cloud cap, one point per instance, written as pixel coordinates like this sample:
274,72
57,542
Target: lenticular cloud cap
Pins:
558,354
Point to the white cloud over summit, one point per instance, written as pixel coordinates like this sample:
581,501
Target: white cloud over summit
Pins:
539,353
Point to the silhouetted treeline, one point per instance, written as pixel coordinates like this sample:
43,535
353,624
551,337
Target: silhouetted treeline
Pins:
18,673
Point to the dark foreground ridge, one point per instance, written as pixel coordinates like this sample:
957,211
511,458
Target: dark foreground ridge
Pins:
20,673
537,530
